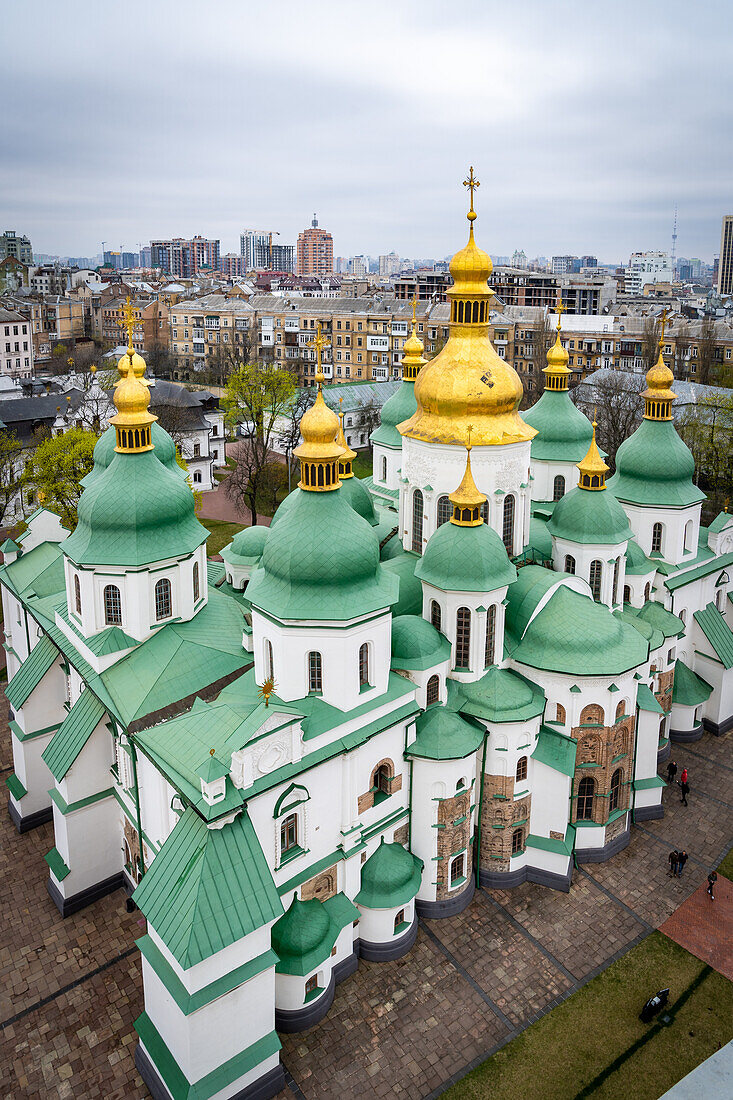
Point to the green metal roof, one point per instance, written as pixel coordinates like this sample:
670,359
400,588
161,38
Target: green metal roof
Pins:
689,688
590,516
654,466
304,936
465,559
532,583
555,750
416,644
721,520
358,496
540,539
678,580
400,406
207,888
563,432
39,571
321,561
443,735
137,512
246,547
717,632
645,700
402,565
73,734
502,696
637,563
572,634
164,450
661,619
31,672
390,877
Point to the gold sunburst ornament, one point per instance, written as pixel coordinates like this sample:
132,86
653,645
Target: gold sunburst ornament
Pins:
267,689
128,321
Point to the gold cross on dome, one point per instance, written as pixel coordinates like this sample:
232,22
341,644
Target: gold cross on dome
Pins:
128,320
414,309
471,183
559,309
662,326
319,342
469,429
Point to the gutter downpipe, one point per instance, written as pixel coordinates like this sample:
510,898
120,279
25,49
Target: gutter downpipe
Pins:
480,810
133,754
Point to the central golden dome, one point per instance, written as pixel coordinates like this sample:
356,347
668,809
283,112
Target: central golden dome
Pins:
467,382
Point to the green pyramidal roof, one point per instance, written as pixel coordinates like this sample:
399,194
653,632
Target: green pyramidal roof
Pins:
654,466
465,559
207,888
502,696
563,432
443,735
689,688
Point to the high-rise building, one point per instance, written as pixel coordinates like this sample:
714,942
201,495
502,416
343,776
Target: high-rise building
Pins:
255,245
389,264
282,257
17,247
358,265
725,264
185,258
564,265
146,258
315,251
647,267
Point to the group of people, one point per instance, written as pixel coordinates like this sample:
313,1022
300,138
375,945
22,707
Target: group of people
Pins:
682,781
677,860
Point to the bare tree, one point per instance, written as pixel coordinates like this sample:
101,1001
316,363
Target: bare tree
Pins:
681,350
289,433
369,417
11,471
706,352
707,429
615,402
225,359
650,342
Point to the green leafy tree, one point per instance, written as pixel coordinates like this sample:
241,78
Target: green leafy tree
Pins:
10,471
55,469
707,429
272,488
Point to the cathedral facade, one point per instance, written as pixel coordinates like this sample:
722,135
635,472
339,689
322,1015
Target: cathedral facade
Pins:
462,671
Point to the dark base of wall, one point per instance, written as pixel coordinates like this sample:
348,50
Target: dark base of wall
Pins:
682,736
449,906
718,728
600,855
347,967
262,1089
664,753
31,821
385,952
67,906
287,1021
503,880
648,813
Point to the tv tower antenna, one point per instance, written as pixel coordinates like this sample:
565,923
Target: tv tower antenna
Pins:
674,243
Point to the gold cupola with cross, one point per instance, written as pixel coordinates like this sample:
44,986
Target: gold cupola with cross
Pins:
658,395
132,421
557,372
319,453
592,468
467,501
412,352
128,322
467,381
347,455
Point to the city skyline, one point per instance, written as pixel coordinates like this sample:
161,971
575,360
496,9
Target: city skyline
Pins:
578,151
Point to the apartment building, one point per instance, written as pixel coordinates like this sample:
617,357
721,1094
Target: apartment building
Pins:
186,258
151,322
647,267
16,344
201,328
580,293
315,251
17,247
725,263
426,286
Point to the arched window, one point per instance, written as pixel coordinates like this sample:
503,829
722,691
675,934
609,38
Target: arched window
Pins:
517,841
570,564
596,572
558,487
435,614
615,795
656,538
485,512
508,524
196,585
592,715
457,869
163,599
627,594
433,691
289,833
490,647
197,477
112,605
77,594
647,591
689,528
382,782
621,709
589,750
315,678
560,713
384,468
269,663
444,510
681,616
399,920
463,637
616,567
586,793
364,665
522,768
417,513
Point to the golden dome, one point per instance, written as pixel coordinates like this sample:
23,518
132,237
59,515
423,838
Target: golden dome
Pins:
557,370
138,364
659,380
592,468
319,452
132,421
467,382
412,352
467,501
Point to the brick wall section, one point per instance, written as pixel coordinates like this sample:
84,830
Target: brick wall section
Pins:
321,886
400,835
499,818
366,800
600,751
453,838
663,694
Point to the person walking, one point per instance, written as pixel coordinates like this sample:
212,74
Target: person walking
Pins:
683,777
682,858
685,789
673,857
671,771
712,879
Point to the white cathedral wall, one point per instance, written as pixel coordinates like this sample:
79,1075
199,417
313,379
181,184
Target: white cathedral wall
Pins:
508,743
43,708
14,628
584,554
680,530
377,925
155,794
431,780
449,603
88,840
544,474
420,678
392,456
647,744
497,471
338,645
550,809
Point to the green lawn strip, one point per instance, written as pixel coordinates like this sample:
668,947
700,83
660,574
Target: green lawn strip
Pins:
362,464
221,534
591,1038
726,867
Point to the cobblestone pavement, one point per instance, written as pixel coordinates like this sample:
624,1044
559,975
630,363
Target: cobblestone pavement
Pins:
70,989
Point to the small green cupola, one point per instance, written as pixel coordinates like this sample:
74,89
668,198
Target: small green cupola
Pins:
390,877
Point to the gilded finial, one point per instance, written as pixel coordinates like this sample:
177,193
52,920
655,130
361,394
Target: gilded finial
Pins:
727,502
469,429
414,311
662,326
267,689
128,321
559,309
319,342
212,752
471,183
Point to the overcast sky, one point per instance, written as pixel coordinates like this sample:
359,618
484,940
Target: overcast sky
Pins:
586,122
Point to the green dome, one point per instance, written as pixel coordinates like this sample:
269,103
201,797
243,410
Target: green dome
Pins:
637,563
417,644
401,406
246,547
392,548
590,517
135,513
164,450
465,559
390,877
283,508
360,499
443,735
563,432
302,937
502,696
320,561
654,466
409,601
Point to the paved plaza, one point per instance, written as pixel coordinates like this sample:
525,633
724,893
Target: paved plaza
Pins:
70,989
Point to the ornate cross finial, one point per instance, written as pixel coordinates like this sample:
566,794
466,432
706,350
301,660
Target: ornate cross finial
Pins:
414,310
662,326
319,342
266,689
128,320
469,429
471,183
559,309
